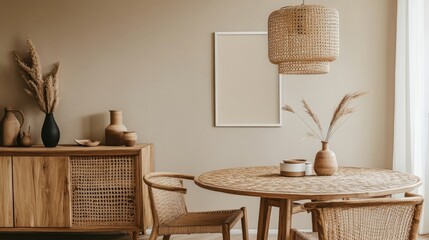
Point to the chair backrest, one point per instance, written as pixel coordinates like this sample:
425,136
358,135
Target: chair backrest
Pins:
167,195
382,218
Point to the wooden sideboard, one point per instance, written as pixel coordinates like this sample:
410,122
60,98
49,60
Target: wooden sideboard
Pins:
75,189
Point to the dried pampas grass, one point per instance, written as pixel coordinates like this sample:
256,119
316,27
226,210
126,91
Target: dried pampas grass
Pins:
44,89
341,114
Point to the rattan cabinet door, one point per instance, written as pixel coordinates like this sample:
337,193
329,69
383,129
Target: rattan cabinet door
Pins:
104,191
6,204
41,192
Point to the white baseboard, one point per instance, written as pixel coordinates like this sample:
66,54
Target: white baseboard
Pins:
251,231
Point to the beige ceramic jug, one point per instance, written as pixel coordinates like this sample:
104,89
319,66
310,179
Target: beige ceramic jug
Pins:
114,132
10,127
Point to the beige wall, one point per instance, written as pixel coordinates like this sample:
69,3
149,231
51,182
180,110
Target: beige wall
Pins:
154,60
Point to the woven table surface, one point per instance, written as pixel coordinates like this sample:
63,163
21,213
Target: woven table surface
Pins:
347,182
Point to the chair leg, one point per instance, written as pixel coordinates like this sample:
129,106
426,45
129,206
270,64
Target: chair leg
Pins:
314,222
166,237
153,235
292,233
244,226
314,219
225,232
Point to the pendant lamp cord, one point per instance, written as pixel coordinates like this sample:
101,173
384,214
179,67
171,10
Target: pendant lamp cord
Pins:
303,2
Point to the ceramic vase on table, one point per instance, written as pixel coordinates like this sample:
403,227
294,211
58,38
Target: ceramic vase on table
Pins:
113,132
50,131
10,127
325,162
25,138
130,138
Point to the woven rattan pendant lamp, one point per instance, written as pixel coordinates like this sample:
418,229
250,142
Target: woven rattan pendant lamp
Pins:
303,39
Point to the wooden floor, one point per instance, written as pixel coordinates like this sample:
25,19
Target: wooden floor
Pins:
119,236
111,236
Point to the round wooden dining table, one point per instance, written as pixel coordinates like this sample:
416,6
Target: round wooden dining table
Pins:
273,189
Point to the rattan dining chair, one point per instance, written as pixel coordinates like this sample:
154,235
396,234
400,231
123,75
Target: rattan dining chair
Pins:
170,213
365,219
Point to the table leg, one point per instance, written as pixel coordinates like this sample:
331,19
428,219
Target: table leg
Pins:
285,219
264,219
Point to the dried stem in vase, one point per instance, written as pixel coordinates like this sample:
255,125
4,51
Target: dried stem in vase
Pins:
43,89
341,114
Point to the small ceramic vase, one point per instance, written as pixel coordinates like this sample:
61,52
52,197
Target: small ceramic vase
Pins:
325,162
130,138
25,139
113,132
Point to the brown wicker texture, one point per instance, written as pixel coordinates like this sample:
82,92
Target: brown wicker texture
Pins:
347,182
168,205
103,190
303,39
393,219
306,236
171,216
201,222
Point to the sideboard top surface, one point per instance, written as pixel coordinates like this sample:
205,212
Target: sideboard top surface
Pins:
71,150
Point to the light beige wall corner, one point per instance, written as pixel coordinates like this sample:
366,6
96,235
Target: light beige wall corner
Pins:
154,60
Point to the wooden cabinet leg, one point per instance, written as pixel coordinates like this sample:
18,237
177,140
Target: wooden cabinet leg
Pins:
264,219
136,235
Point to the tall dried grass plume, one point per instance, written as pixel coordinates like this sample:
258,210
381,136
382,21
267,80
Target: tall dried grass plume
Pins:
44,89
341,114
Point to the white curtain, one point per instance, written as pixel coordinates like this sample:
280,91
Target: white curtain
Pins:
411,133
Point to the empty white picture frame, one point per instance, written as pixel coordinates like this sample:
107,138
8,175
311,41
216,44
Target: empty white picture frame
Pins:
247,85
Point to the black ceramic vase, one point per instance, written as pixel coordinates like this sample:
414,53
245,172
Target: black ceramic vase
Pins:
50,131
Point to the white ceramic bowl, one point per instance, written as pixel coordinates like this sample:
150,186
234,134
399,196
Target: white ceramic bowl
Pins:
293,167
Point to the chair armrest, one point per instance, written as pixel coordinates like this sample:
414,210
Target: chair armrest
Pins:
297,208
150,183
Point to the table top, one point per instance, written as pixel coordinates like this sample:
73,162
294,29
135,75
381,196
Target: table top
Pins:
348,182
